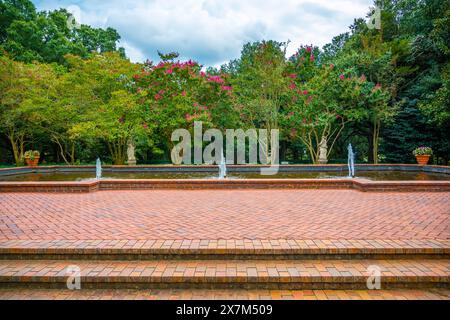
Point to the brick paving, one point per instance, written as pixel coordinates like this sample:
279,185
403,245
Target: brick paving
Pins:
196,294
176,271
225,214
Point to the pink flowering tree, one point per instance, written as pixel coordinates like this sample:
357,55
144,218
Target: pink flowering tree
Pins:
174,94
323,100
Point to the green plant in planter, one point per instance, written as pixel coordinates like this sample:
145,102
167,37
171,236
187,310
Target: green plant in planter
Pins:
423,151
32,155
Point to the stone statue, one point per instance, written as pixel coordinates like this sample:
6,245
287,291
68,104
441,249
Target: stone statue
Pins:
323,151
131,150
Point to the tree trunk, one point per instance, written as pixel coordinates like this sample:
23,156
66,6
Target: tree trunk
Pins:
295,155
18,146
72,154
118,152
370,153
63,151
376,135
283,150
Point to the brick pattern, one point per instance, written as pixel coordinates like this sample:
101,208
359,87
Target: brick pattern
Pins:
105,184
196,294
52,187
225,271
225,214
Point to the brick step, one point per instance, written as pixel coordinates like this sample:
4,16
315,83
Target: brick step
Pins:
218,274
223,294
224,249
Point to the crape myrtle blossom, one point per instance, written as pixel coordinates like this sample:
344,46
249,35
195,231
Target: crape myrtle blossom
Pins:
174,94
216,79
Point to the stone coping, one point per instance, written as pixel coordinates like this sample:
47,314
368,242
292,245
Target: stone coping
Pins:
192,184
231,168
220,294
219,271
294,274
224,247
142,184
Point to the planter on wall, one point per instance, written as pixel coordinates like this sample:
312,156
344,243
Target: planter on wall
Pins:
32,163
423,160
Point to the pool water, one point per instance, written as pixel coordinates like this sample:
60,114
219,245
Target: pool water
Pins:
83,176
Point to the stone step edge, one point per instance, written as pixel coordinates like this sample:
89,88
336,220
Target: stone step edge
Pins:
175,257
426,251
221,279
312,282
221,294
224,246
97,274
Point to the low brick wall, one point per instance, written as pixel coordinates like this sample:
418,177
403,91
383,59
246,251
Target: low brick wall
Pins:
224,184
61,187
357,184
152,184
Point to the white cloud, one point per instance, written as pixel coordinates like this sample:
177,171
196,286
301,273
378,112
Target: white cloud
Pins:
213,31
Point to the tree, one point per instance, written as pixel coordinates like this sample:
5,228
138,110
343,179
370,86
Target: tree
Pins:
23,89
407,57
11,10
173,95
116,122
261,87
107,110
421,118
72,99
323,100
30,36
260,84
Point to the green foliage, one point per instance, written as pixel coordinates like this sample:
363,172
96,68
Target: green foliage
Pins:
107,110
173,95
326,98
423,151
260,84
72,94
24,88
30,154
436,103
12,10
30,36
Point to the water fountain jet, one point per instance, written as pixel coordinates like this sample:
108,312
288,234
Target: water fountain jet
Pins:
351,162
222,167
98,169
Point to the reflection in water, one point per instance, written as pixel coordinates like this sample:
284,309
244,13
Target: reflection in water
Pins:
83,176
421,176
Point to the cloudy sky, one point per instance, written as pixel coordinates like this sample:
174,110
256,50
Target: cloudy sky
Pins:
213,31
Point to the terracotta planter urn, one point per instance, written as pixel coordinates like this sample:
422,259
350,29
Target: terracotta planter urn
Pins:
423,159
32,163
